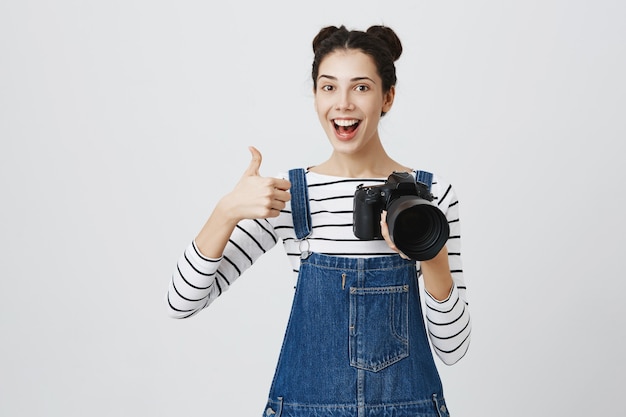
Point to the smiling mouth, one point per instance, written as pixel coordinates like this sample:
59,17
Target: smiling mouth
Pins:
345,126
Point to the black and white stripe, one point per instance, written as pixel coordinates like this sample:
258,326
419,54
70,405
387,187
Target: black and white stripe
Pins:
198,280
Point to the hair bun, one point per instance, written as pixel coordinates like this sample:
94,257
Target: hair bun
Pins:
390,38
324,34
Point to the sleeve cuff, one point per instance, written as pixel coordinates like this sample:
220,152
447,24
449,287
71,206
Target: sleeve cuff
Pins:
451,299
201,256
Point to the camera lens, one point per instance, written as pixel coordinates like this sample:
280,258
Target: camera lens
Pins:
417,227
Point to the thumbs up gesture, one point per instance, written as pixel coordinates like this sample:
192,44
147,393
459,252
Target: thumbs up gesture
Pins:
257,197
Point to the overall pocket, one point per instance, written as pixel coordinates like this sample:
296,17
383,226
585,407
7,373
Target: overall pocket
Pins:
379,326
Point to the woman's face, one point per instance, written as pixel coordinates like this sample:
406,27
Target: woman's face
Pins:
349,100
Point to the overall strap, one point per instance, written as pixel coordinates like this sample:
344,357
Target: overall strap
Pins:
300,210
424,177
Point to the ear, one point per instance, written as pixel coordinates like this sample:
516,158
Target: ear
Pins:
388,99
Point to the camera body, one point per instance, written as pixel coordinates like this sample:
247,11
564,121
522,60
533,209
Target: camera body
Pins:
416,226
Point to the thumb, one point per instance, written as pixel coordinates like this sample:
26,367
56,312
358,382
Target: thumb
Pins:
255,164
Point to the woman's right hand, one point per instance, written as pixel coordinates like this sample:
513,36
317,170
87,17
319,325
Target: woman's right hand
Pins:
254,196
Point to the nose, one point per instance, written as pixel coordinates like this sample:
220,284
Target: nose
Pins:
344,101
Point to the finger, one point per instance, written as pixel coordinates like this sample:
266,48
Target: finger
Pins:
278,205
255,163
281,195
282,184
384,230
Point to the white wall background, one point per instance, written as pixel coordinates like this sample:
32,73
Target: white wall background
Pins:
122,122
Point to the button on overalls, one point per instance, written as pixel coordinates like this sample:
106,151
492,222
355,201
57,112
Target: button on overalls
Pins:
355,344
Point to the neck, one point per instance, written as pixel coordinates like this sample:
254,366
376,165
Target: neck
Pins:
370,165
355,166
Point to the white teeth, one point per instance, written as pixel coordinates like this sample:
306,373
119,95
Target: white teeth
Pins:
345,123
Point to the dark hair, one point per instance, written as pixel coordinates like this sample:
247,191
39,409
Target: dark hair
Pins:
379,42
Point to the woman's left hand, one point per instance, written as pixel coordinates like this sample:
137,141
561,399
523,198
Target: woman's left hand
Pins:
436,271
384,231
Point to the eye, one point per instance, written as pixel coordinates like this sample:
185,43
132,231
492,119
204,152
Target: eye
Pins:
362,88
327,88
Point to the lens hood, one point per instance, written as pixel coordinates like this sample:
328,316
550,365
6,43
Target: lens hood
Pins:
417,227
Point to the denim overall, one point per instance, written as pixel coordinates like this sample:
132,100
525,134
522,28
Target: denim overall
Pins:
355,344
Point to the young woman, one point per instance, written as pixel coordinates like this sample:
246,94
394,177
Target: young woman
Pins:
356,343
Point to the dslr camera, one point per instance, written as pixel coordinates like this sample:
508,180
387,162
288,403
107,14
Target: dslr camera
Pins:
416,225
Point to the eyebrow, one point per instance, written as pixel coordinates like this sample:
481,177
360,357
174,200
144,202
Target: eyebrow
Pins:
330,77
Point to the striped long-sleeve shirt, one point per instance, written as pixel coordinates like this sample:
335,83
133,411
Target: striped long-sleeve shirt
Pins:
198,280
